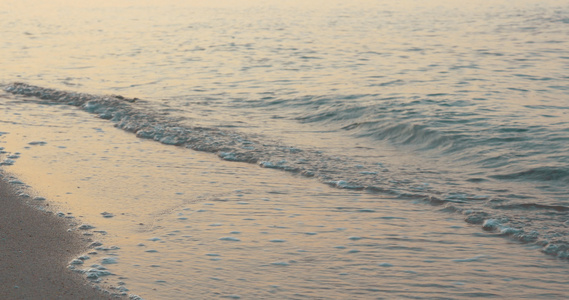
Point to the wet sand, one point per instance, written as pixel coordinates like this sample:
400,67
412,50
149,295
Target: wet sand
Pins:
35,248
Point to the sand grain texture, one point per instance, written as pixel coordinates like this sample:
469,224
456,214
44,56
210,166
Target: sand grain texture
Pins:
35,248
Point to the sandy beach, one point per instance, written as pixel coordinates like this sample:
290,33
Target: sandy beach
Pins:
251,149
35,248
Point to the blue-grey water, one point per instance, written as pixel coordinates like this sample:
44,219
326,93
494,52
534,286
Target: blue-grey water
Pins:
463,107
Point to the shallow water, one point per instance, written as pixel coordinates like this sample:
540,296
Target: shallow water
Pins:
177,223
404,119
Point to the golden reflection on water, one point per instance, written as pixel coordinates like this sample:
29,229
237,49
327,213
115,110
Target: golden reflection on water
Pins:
188,223
110,46
160,49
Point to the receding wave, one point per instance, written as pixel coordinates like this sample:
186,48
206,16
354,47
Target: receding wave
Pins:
339,171
126,114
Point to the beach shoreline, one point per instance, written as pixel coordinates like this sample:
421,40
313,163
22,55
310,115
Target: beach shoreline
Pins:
35,249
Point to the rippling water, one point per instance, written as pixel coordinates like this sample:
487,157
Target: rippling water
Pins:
464,106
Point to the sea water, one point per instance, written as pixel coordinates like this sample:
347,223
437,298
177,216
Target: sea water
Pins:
326,150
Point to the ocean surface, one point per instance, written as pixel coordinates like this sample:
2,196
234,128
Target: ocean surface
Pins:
297,149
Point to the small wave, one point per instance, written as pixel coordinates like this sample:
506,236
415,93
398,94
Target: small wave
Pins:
416,135
343,172
533,206
228,145
330,115
538,174
339,171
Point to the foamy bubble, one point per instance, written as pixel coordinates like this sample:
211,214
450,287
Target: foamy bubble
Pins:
76,262
491,224
107,215
229,238
7,162
109,260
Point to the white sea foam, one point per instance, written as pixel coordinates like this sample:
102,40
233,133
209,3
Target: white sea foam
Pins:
373,101
109,260
77,262
7,162
491,224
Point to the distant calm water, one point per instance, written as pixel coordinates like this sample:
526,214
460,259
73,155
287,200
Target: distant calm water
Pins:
461,105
